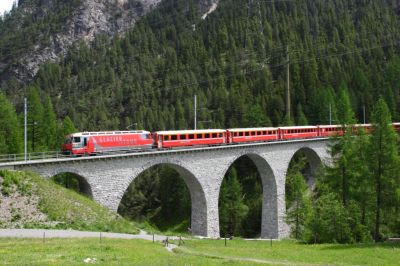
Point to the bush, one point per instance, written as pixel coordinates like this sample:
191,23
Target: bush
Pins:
328,222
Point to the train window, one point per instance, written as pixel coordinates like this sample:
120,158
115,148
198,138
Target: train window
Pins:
166,137
183,136
77,139
174,137
207,135
199,136
191,136
145,136
221,135
214,135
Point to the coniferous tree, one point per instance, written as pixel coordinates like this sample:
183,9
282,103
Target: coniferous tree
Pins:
343,147
231,207
383,161
36,132
301,117
298,203
49,126
10,131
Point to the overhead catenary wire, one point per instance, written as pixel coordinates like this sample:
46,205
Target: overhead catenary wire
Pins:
247,72
266,62
274,50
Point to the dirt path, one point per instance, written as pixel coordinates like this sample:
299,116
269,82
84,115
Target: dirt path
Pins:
40,233
46,233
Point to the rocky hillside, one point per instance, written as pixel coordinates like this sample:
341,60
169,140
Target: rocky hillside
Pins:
29,201
85,19
48,28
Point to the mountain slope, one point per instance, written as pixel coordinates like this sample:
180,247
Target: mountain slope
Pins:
234,60
59,24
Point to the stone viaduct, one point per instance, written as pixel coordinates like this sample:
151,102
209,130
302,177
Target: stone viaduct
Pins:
106,178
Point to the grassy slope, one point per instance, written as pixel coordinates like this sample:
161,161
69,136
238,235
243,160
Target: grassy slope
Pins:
67,207
194,252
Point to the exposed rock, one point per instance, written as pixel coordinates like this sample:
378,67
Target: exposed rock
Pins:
213,7
91,18
18,210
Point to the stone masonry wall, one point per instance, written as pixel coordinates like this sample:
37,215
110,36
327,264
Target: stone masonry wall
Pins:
203,171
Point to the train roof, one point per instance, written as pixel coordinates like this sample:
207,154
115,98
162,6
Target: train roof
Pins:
108,133
190,131
252,129
299,127
328,126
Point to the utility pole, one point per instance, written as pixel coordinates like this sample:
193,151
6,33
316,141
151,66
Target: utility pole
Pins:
25,130
195,112
364,113
330,114
288,84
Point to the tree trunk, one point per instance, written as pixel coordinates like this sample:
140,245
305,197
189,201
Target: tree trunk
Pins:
344,187
378,192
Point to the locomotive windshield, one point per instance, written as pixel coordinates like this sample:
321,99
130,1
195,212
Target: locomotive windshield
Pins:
77,139
146,136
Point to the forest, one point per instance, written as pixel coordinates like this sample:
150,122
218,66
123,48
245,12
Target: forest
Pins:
343,55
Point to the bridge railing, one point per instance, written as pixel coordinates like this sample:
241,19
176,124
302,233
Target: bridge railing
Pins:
6,158
10,158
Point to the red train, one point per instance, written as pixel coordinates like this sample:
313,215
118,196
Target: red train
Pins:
107,141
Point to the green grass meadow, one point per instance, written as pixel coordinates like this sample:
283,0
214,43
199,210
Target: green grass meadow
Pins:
291,252
193,252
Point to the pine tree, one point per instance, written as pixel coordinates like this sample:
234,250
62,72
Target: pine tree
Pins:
255,117
36,131
297,199
301,117
231,207
383,160
10,131
343,147
68,126
50,126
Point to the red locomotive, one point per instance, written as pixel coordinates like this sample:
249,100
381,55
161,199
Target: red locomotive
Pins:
101,142
98,142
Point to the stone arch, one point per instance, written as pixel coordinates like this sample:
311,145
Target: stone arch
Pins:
84,185
198,198
314,161
269,217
